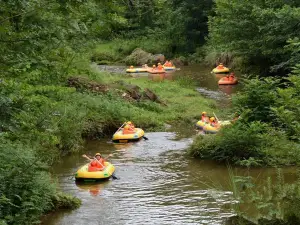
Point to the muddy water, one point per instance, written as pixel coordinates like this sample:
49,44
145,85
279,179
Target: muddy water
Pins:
207,82
158,184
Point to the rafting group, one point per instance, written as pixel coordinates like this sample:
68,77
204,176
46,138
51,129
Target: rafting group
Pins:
160,68
211,124
98,168
227,79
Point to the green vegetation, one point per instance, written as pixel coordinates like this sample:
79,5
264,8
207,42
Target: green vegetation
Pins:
272,201
264,40
255,33
44,43
267,132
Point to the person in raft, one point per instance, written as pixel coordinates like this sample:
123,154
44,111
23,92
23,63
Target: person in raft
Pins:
131,125
131,67
128,129
96,163
213,122
159,66
220,66
153,67
168,64
204,117
231,76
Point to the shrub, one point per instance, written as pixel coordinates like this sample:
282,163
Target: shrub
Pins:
26,188
247,144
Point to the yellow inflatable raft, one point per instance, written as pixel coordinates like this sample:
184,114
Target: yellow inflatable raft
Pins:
169,68
220,70
200,124
137,70
84,175
213,130
119,137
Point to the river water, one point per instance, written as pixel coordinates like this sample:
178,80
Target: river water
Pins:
158,183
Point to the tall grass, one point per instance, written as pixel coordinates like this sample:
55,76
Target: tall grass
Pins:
116,50
272,201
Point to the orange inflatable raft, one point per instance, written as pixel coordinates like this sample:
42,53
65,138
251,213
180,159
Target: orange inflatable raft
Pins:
156,71
226,81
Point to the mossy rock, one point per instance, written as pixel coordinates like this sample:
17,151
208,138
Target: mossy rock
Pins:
140,57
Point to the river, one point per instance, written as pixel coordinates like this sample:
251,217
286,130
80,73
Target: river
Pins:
158,183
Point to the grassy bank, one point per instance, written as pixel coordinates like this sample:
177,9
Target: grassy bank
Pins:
115,51
267,134
183,103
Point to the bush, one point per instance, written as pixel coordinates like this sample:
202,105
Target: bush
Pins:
256,100
26,188
252,144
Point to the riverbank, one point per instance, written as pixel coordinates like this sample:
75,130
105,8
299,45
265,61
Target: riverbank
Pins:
48,121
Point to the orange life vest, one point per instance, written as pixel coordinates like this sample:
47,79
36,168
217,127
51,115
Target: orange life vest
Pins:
159,67
204,118
128,131
96,165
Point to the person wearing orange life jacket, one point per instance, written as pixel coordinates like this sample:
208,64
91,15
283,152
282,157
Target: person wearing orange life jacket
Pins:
231,77
128,130
153,67
131,67
131,125
168,64
159,66
220,66
204,117
97,163
213,122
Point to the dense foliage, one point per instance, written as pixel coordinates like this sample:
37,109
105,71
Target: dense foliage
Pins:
256,31
267,132
42,43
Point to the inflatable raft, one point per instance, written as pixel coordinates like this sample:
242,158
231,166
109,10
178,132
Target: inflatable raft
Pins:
84,175
169,68
213,130
156,71
226,81
220,70
200,124
137,70
119,137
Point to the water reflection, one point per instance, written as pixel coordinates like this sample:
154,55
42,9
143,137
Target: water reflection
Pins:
200,73
161,76
122,147
93,188
227,89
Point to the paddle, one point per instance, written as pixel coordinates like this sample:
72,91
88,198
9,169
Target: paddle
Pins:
112,175
145,138
121,126
216,116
